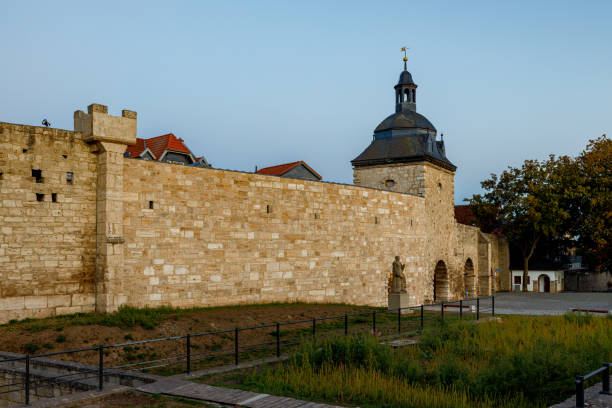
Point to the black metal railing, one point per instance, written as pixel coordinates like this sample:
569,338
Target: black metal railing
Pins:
382,323
605,383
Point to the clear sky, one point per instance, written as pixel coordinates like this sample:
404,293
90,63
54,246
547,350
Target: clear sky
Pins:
263,83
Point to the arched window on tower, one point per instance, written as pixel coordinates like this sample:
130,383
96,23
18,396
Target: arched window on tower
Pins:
414,96
407,95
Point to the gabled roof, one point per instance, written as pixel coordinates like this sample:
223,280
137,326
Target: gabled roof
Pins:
158,145
284,168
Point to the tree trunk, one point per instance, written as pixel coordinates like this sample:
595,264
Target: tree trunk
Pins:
525,272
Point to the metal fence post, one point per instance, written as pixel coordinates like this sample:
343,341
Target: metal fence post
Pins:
579,391
492,305
236,345
399,321
314,328
188,353
422,321
477,309
100,367
27,380
442,310
461,309
374,321
605,379
277,339
345,324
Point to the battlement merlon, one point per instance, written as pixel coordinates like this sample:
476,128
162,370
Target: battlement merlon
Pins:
98,126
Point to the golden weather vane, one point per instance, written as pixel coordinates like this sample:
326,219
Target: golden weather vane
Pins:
404,49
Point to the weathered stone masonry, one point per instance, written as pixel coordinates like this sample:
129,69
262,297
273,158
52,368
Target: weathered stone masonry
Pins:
132,232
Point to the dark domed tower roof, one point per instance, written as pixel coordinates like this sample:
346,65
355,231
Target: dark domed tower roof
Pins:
405,136
405,78
405,120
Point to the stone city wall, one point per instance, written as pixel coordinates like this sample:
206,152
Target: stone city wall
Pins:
47,222
143,233
211,237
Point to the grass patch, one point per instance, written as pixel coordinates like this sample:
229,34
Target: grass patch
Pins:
523,361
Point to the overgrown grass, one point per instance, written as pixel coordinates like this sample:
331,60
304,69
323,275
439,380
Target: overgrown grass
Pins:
522,361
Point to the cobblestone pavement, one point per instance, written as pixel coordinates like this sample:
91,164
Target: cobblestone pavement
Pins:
550,303
592,399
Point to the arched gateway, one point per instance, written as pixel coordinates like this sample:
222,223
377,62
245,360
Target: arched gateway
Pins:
441,283
469,279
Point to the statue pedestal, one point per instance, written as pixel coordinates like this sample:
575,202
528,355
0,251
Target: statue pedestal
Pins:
398,300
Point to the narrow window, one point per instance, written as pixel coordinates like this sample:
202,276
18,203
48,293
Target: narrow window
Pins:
150,205
37,174
414,95
375,220
268,209
69,177
54,197
1,175
40,197
316,215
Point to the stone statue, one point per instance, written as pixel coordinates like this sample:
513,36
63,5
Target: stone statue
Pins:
398,284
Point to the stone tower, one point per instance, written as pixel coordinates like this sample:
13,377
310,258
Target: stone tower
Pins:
405,156
404,144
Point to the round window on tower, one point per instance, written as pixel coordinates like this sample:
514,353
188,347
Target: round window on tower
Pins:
389,183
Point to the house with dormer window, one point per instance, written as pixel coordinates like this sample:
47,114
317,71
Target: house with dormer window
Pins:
166,149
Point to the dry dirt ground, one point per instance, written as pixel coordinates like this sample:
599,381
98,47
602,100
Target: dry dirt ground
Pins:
65,333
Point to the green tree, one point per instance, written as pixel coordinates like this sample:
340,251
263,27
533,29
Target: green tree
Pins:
527,203
592,205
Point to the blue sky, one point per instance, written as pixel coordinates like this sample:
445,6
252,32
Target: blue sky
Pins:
263,83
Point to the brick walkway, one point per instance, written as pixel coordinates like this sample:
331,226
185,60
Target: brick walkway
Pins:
225,396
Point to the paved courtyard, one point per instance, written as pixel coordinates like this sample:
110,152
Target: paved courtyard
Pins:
550,303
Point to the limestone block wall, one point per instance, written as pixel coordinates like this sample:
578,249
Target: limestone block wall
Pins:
47,222
405,178
210,237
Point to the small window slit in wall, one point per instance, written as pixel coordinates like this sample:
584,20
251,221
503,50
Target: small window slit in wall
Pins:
37,174
54,197
40,197
65,156
24,150
375,220
268,209
316,216
1,175
69,177
151,205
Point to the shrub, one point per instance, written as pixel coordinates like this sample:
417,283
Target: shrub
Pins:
60,339
31,348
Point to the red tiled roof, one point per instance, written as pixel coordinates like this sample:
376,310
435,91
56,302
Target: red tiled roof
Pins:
157,145
464,215
284,168
137,149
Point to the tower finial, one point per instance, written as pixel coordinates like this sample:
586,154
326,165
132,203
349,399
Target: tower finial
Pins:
405,57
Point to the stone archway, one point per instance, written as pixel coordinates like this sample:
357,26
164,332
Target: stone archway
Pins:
543,283
441,283
469,279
